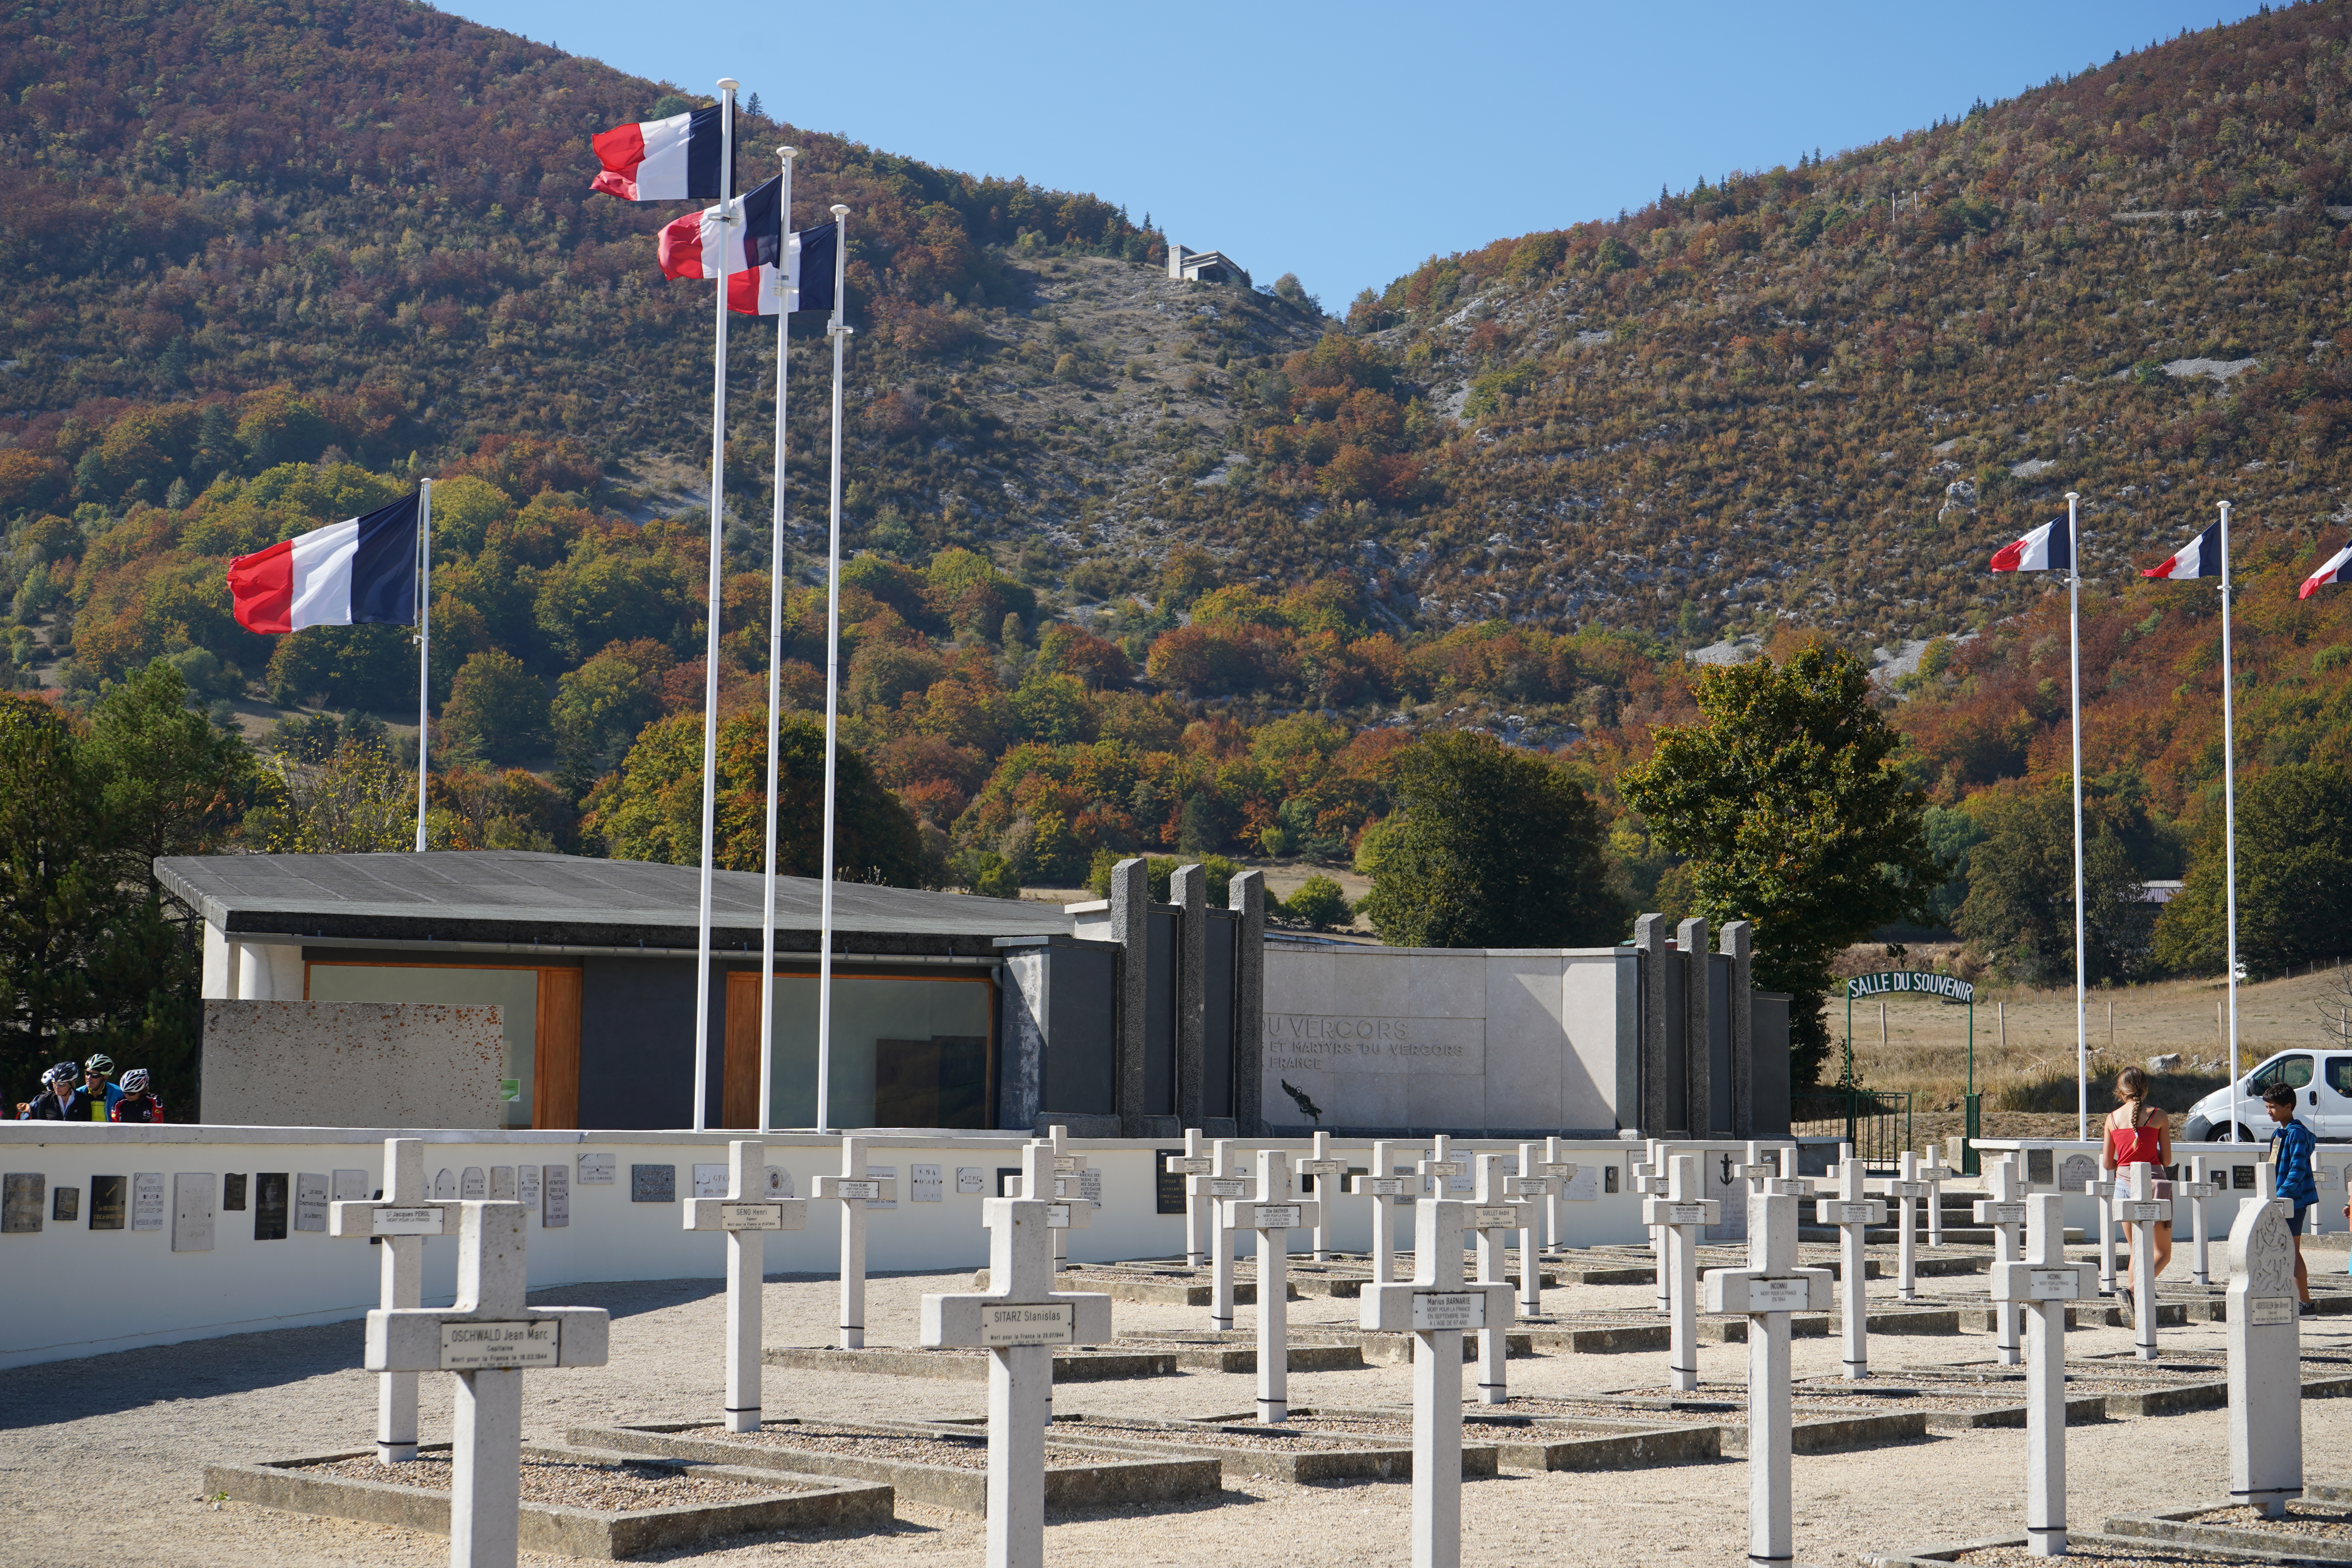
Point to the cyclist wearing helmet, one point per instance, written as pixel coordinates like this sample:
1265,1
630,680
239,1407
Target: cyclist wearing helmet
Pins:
95,1102
137,1104
55,1101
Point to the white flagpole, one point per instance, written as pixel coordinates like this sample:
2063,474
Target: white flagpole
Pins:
727,219
423,649
2229,813
840,335
2075,638
775,658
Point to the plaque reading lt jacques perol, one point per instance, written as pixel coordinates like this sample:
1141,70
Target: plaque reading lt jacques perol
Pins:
107,1200
653,1183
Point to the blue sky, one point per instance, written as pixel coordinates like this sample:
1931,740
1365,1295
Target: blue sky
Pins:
1346,144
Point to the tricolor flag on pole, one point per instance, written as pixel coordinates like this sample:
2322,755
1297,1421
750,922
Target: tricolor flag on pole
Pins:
766,268
2338,569
2201,557
673,159
360,572
2050,548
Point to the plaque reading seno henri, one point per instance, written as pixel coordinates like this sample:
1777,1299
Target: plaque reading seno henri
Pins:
477,1347
749,1216
1050,1324
1449,1309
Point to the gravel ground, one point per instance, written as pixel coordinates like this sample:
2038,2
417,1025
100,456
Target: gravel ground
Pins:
586,1483
2302,1519
901,1447
2097,1556
102,1459
1280,1440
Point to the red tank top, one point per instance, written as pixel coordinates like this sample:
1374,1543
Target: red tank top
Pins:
2135,1145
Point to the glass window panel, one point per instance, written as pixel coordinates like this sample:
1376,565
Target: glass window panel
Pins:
514,991
907,1052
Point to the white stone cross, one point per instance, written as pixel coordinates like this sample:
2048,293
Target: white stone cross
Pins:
1650,1181
1273,1212
1065,1166
488,1339
1555,1167
1192,1163
2102,1189
1905,1190
2005,1211
1769,1288
1320,1166
2140,1208
1533,1181
1935,1172
746,1213
853,1190
1788,1184
1681,1215
1221,1183
1019,1321
2042,1284
1853,1211
1436,1308
1384,1187
1436,1169
2265,1354
1493,1216
2198,1191
1757,1168
401,1219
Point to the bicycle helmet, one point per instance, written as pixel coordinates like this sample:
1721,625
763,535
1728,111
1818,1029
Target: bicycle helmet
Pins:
101,1063
135,1082
64,1072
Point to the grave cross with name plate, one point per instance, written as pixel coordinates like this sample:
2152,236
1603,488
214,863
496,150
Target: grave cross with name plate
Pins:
2005,1213
1493,1216
1223,1182
1906,1189
1273,1213
746,1213
1533,1181
853,1190
1556,1169
2197,1192
2042,1284
1853,1211
1439,1170
1019,1321
2265,1354
1384,1187
2100,1186
1769,1288
1756,1170
401,1220
1067,1168
489,1338
1192,1163
1320,1165
1682,1215
2140,1208
1649,1175
1435,1309
1935,1173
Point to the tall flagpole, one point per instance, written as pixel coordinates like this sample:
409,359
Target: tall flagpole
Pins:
423,649
840,335
775,659
2229,813
2075,638
727,84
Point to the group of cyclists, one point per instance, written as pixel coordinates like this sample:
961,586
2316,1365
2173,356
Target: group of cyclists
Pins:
88,1093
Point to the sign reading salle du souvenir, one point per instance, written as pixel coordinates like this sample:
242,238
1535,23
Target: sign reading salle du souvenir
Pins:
1920,982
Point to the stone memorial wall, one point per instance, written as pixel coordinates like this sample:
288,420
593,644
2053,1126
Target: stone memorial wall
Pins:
306,1064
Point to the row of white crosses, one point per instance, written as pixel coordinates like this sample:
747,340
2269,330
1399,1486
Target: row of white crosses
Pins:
1272,1212
1679,1216
746,1213
1853,1210
1494,1216
854,1189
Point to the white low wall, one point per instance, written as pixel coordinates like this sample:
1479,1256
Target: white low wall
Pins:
68,1291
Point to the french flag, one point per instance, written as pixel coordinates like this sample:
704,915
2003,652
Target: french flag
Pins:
767,269
804,282
2201,557
2338,569
2050,548
673,159
356,572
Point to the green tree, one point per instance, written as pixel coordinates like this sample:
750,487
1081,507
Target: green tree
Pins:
2295,876
1489,846
496,708
602,707
2020,907
171,782
1785,799
357,801
1319,903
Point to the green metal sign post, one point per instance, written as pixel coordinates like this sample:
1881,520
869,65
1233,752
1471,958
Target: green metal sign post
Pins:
1944,988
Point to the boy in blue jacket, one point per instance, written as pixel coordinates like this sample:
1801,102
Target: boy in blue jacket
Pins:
2293,1145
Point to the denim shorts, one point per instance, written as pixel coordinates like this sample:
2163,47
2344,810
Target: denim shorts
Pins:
2300,1211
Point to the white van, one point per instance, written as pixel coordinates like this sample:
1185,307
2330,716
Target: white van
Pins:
2323,1084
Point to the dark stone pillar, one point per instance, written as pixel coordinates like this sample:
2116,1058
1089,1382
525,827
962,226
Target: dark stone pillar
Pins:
1735,938
1131,926
1650,940
1248,893
1698,1057
1189,891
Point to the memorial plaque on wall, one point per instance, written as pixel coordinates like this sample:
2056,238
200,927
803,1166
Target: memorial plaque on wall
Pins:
926,1184
22,1193
1167,1186
595,1170
973,1179
350,1186
474,1184
2042,1167
1585,1185
883,1173
653,1183
106,1203
269,1205
233,1192
192,1211
526,1190
780,1183
711,1181
147,1200
555,1197
310,1202
502,1184
65,1204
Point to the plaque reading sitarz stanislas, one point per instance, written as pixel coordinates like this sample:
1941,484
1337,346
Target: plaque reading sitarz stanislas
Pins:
1049,1323
475,1347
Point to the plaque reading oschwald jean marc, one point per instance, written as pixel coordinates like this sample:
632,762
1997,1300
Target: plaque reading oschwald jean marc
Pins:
1449,1309
472,1347
1050,1323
